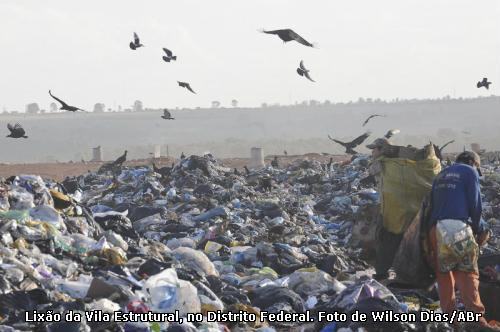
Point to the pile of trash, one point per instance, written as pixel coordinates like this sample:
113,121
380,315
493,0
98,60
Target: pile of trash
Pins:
196,239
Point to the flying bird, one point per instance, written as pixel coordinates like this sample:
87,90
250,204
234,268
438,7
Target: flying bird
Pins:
288,35
349,146
186,85
166,115
136,43
16,131
302,71
169,55
391,133
65,106
121,159
371,117
484,83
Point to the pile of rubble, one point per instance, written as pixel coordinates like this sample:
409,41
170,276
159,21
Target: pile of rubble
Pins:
199,238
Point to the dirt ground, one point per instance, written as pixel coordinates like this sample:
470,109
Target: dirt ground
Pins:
58,171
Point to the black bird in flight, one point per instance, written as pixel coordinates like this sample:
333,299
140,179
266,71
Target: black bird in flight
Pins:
391,133
169,55
166,115
287,35
186,85
121,159
302,71
349,146
65,106
16,131
484,83
371,117
136,43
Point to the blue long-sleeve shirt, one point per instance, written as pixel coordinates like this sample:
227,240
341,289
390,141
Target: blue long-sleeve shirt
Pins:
456,194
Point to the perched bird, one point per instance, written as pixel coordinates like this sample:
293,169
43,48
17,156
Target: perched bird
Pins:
163,171
484,83
285,153
349,146
185,85
330,162
236,172
302,71
247,171
169,55
371,117
136,43
16,131
439,150
391,133
166,115
287,35
65,106
183,156
120,160
274,162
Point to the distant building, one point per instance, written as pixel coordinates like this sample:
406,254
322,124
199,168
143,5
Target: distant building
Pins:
138,107
53,108
32,108
99,108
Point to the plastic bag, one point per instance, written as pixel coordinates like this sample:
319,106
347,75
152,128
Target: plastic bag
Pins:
167,293
404,185
457,248
196,260
313,282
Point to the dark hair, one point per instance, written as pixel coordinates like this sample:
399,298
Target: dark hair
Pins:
468,157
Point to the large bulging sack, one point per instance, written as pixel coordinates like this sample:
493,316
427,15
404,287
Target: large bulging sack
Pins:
404,184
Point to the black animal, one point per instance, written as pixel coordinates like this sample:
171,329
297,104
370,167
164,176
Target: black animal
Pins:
484,83
274,162
186,85
391,133
302,71
169,55
120,160
163,171
287,35
166,115
136,43
439,150
236,172
65,106
16,131
349,146
285,153
370,117
183,156
247,171
329,165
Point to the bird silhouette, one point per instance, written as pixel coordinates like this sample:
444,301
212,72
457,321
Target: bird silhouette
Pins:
121,159
65,106
484,83
288,35
285,153
275,162
302,71
391,133
247,171
186,85
371,117
183,156
169,55
136,43
349,146
16,131
236,172
166,115
163,171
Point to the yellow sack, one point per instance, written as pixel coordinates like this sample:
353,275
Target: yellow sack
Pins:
404,184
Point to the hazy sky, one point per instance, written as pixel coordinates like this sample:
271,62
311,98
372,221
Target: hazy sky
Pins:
379,49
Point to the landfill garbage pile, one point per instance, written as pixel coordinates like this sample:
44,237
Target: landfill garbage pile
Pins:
197,240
